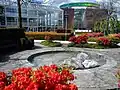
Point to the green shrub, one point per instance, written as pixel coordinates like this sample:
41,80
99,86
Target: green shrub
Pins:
50,43
90,45
58,44
81,45
96,46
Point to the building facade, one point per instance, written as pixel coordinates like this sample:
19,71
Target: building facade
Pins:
35,17
82,15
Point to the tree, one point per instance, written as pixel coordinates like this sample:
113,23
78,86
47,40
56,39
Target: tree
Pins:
19,3
111,6
19,13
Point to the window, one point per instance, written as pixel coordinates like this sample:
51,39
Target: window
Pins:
32,13
1,10
11,10
11,19
24,20
2,20
24,11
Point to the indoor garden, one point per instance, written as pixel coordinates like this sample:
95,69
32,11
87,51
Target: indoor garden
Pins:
59,45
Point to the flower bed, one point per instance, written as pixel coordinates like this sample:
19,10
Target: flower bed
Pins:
41,35
95,34
44,78
101,42
79,40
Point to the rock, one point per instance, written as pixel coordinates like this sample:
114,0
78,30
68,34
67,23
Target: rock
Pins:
90,63
81,61
78,65
72,62
82,56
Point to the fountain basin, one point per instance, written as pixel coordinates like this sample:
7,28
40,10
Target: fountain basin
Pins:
58,58
98,78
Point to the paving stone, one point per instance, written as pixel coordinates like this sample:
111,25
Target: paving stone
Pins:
100,78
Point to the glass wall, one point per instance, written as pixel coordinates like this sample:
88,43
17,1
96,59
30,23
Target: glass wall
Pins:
78,18
34,16
11,21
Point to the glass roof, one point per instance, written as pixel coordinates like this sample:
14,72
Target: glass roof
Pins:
32,4
49,2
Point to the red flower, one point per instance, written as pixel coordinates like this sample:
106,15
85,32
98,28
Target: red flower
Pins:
103,41
61,87
95,34
33,86
22,71
2,85
81,39
12,86
54,67
72,39
73,87
44,78
2,76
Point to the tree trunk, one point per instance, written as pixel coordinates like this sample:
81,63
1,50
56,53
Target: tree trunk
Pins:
107,31
19,14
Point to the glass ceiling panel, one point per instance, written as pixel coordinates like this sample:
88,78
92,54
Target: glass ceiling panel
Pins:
48,2
35,4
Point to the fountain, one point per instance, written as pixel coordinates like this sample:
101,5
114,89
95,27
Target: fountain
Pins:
81,61
93,68
76,60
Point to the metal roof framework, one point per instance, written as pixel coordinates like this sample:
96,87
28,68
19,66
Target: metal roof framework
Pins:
31,5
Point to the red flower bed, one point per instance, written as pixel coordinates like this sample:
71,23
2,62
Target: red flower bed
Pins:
79,39
43,78
72,39
95,34
103,41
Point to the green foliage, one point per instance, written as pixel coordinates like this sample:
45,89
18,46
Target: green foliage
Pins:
81,45
114,40
71,44
110,25
50,43
95,46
